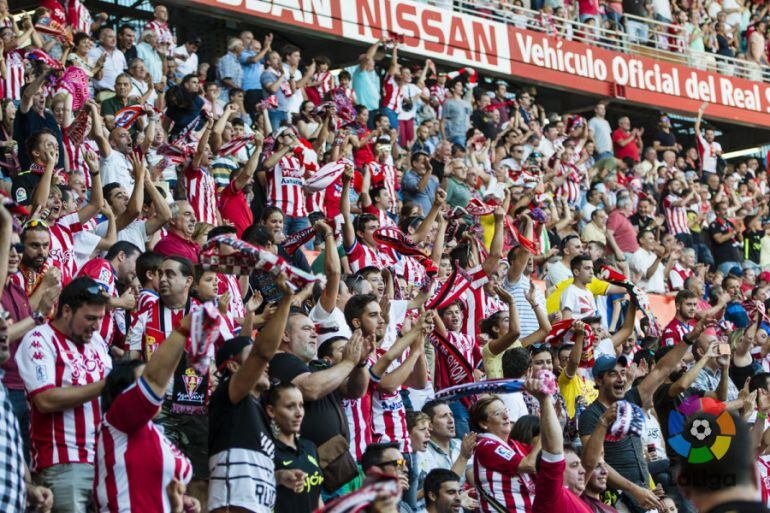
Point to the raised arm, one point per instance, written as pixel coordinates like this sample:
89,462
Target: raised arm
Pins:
162,210
31,90
96,198
348,231
496,247
263,349
332,268
43,189
244,177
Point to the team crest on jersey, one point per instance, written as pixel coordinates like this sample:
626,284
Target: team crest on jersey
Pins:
105,276
504,452
191,382
40,374
21,195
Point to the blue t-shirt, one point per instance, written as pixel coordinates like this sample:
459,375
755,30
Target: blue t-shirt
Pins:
251,72
366,85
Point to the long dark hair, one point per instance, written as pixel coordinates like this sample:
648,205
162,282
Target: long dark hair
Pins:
120,378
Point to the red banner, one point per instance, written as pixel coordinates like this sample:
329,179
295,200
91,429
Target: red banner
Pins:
503,50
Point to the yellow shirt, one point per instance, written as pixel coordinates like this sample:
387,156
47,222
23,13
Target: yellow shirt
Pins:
591,232
553,303
493,364
571,389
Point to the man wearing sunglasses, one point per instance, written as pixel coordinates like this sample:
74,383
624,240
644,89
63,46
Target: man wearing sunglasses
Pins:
63,364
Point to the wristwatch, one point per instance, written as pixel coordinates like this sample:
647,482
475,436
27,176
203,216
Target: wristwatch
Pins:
38,317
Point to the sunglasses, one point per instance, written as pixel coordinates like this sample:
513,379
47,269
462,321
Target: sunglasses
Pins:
18,247
401,462
34,223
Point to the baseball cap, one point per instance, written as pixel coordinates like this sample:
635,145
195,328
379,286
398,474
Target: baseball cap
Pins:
606,363
764,276
231,349
736,271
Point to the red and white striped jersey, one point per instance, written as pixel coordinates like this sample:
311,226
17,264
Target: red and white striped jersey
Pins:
202,194
677,276
146,296
708,153
326,80
83,20
495,466
391,94
676,217
492,305
101,271
46,360
285,186
763,478
314,202
75,155
384,175
163,32
382,216
444,371
474,301
388,419
151,325
14,77
62,245
135,462
412,270
570,189
229,283
675,331
360,256
358,415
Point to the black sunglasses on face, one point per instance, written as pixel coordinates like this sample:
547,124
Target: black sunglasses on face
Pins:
18,247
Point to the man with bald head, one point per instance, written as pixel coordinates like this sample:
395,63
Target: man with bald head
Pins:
160,27
179,241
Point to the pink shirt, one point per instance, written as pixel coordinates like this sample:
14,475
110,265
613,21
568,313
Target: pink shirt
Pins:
174,245
623,231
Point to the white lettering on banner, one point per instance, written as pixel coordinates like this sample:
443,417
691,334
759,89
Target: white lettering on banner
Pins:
308,12
547,56
435,32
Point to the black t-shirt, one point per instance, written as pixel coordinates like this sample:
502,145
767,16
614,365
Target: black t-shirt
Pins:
304,458
752,244
483,121
23,185
664,405
323,418
665,139
626,455
739,507
24,125
642,223
726,251
438,169
241,445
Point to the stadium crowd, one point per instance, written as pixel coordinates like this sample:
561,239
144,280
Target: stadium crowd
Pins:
268,283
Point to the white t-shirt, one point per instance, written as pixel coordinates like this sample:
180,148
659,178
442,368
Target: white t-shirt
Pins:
293,102
640,262
135,233
335,319
409,91
517,408
557,273
188,66
602,134
115,167
580,302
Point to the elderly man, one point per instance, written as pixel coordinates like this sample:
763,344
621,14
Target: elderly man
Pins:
159,25
627,141
179,241
114,63
229,70
147,50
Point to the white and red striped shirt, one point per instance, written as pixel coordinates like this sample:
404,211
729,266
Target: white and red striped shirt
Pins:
76,156
101,271
391,94
62,245
474,302
46,360
570,189
135,462
360,256
14,77
384,175
83,20
151,325
495,470
388,419
229,283
163,32
202,194
708,153
676,217
358,415
285,186
326,80
763,478
412,271
678,275
675,331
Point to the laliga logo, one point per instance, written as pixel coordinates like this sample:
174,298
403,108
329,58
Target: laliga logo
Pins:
706,435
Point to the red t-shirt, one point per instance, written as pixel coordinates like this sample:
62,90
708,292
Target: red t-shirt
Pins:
234,208
675,331
629,150
550,494
623,231
174,245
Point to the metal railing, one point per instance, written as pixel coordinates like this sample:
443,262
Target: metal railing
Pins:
639,36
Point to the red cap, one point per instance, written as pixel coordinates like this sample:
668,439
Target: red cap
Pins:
764,276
